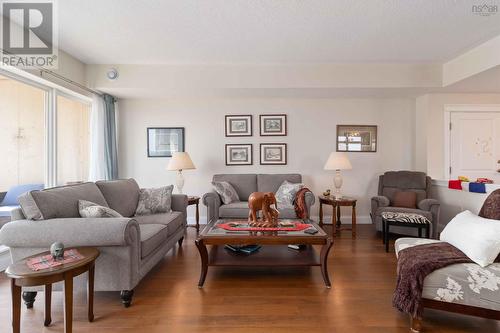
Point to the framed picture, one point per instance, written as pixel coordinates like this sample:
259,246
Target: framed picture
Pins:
273,153
239,125
239,154
272,124
163,141
357,138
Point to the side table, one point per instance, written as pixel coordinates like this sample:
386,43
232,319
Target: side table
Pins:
193,200
336,203
22,276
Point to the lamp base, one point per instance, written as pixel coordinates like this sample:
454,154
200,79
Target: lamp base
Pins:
180,181
337,181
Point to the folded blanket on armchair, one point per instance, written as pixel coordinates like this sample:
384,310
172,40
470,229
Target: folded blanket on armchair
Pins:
414,264
300,203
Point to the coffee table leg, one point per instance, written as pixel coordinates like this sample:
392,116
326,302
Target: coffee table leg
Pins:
48,301
90,293
197,218
204,261
68,303
325,249
320,214
16,306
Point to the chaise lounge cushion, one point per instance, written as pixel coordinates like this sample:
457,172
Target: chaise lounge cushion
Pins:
62,202
152,236
122,195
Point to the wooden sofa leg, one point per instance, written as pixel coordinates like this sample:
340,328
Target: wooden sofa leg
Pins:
29,298
180,241
415,324
126,297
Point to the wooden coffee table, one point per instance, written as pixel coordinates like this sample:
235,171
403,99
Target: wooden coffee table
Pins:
274,252
22,276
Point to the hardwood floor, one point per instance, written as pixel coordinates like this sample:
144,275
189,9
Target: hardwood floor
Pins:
253,300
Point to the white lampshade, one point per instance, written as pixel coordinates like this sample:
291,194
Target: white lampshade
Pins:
180,161
338,161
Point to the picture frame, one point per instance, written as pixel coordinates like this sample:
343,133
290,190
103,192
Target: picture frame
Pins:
357,138
273,153
238,125
273,124
239,154
163,141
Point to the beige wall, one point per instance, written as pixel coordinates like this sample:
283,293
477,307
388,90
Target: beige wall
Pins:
311,137
430,127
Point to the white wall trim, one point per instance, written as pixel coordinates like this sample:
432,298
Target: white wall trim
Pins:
327,219
448,109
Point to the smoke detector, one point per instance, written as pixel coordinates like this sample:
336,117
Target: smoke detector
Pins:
112,74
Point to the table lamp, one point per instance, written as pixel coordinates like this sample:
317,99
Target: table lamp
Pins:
180,161
338,161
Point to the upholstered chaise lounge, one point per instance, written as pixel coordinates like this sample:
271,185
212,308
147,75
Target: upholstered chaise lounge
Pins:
129,246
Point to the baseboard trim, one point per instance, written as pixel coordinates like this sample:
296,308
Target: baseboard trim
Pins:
327,219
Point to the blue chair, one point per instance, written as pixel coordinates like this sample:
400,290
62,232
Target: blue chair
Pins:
10,202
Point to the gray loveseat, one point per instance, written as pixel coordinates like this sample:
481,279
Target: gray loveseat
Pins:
394,181
245,184
130,246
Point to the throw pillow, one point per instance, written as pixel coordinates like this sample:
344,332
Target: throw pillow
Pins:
29,207
286,193
478,238
226,191
405,199
90,209
155,200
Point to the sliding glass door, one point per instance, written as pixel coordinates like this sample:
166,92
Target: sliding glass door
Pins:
22,134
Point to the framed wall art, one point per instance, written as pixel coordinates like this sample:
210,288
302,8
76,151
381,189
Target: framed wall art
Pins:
238,125
273,153
163,141
237,154
357,138
272,124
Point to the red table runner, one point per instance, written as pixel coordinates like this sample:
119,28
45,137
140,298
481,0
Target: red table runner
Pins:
47,261
298,227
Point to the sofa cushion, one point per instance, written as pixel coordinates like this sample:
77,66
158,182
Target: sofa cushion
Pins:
173,220
244,184
287,213
61,202
390,193
122,195
89,209
152,236
155,200
272,182
405,179
234,210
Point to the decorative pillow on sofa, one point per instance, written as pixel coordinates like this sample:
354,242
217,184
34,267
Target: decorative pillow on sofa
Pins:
405,199
226,191
155,200
90,209
478,238
286,194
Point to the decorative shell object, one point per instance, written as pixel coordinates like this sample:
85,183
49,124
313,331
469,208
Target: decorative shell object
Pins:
57,250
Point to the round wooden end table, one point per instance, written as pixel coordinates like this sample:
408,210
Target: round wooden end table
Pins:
336,203
23,276
193,200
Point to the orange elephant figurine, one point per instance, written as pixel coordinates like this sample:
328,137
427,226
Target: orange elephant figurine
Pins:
262,201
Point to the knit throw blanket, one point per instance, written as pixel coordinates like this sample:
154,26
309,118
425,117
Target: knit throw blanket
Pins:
300,203
414,264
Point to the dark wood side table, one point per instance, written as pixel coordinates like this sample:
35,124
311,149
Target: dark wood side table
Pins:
336,204
22,276
195,201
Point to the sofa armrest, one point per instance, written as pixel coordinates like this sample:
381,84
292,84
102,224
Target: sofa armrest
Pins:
377,202
213,202
427,204
17,214
179,204
71,231
310,198
433,206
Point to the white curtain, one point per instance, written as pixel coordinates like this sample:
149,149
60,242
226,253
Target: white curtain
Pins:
98,165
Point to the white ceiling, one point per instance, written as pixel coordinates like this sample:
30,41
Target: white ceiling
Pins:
270,31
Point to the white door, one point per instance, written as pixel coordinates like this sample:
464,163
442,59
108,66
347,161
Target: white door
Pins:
475,145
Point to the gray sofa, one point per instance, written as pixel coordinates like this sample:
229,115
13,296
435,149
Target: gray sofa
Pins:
245,184
394,181
130,246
